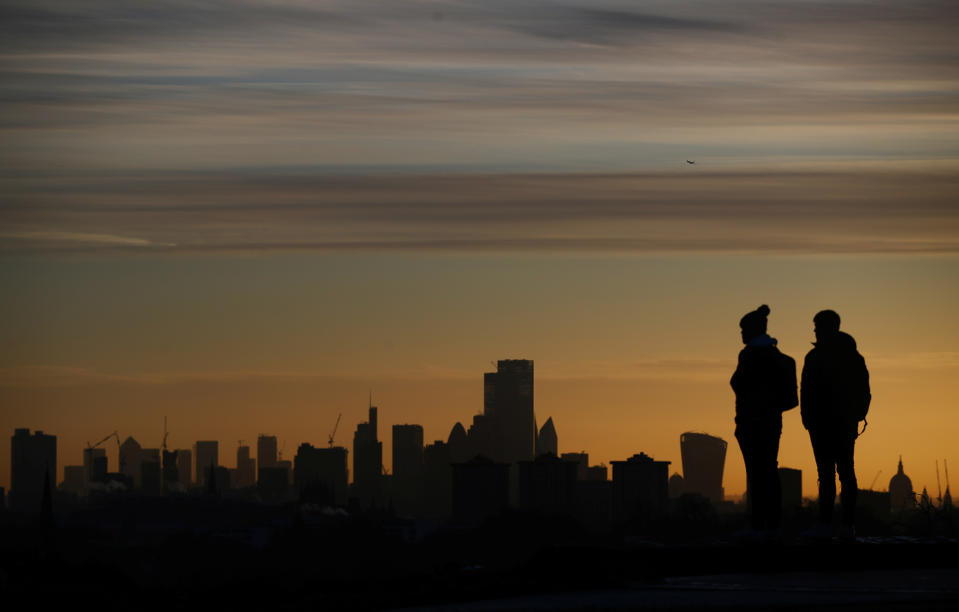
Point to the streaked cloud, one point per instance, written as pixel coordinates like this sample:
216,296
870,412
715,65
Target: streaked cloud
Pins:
209,126
885,367
60,239
571,84
840,211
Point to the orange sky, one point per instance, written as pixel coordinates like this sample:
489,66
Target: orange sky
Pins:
630,351
244,216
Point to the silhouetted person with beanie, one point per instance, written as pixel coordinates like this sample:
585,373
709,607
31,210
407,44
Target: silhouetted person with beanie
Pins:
765,387
835,397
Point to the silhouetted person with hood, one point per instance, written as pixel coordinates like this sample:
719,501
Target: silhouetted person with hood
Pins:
835,397
765,387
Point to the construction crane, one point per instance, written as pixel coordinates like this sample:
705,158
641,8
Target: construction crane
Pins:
874,480
945,465
164,434
113,435
90,447
938,484
335,427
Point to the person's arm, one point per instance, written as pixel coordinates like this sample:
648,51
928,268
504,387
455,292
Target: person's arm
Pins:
789,382
806,389
866,389
736,382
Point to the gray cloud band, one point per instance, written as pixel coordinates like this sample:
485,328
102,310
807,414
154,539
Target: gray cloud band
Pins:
787,212
99,100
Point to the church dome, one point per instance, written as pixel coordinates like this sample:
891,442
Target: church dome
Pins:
901,494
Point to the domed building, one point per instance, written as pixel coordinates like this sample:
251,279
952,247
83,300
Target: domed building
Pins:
459,444
901,495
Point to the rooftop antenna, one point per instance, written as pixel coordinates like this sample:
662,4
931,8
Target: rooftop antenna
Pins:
945,465
938,485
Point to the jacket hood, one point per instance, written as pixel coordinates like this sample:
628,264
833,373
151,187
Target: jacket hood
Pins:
840,341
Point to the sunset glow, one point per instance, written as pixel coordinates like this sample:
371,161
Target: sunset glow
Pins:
246,216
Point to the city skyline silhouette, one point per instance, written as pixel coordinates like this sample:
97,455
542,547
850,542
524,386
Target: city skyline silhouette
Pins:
181,469
353,226
801,458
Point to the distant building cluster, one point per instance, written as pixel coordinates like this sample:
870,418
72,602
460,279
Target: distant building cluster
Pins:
502,460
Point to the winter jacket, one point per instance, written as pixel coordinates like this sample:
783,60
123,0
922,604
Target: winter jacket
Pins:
764,383
835,384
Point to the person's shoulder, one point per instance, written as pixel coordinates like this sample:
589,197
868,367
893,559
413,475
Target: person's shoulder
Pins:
765,351
785,356
846,342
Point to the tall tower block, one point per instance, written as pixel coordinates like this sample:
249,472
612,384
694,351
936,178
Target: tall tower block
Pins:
704,457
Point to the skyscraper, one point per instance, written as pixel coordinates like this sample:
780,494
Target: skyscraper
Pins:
547,441
582,463
437,480
171,469
184,467
207,453
266,451
408,451
74,479
320,474
547,484
640,487
130,452
480,488
367,460
94,465
703,459
407,486
33,465
459,444
151,473
481,437
508,404
245,468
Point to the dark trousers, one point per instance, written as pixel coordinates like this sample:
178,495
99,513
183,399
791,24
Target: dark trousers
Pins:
833,448
759,443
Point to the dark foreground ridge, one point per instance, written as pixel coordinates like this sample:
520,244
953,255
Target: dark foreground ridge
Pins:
874,590
217,554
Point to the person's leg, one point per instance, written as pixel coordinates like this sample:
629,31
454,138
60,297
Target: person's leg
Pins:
763,474
822,448
845,449
747,444
774,503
